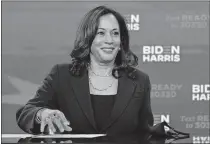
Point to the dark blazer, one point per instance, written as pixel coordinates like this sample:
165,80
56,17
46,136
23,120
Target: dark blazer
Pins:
60,90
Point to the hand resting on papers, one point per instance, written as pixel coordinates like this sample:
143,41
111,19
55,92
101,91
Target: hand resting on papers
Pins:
55,121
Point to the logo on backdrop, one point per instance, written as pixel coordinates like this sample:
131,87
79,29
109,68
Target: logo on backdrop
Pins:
158,118
133,22
161,53
201,139
200,92
165,90
189,21
200,121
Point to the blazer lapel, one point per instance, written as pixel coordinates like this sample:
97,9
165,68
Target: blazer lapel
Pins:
126,88
81,89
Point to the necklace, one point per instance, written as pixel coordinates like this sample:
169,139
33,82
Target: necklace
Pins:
106,75
103,89
96,74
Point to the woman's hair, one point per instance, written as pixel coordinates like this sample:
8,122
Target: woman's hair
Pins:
86,33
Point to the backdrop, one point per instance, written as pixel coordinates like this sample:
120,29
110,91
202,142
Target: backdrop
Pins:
171,40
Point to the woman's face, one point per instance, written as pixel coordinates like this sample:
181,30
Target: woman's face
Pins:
106,43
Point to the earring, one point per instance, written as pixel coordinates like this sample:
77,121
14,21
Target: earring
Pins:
119,48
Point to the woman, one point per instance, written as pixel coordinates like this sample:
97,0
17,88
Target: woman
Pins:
100,91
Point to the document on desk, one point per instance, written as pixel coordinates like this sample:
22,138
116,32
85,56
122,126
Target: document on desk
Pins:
53,136
69,136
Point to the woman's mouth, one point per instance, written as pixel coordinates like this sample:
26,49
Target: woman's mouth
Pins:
107,49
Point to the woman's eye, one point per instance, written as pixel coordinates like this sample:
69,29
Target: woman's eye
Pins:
100,33
116,33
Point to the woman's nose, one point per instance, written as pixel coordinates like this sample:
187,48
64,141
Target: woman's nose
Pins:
108,39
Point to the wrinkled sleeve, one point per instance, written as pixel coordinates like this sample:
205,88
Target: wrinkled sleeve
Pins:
45,97
145,116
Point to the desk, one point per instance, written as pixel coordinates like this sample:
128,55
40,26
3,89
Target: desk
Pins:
89,139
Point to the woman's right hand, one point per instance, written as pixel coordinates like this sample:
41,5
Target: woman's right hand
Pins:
55,120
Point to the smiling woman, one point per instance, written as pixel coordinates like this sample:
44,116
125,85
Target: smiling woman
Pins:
106,44
100,91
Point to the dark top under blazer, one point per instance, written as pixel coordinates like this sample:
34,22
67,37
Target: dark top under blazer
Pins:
60,90
102,108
